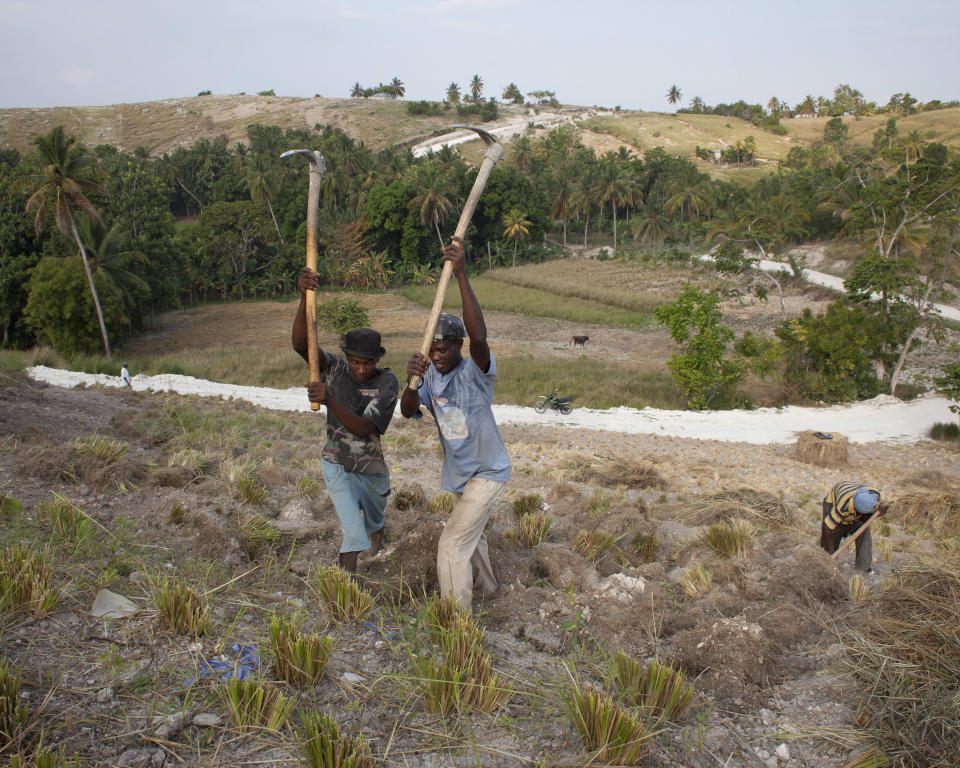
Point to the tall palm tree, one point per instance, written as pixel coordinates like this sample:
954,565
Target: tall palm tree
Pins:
913,145
516,226
698,104
68,173
434,193
110,254
259,180
397,87
674,95
453,93
562,207
686,193
522,152
357,91
615,188
773,106
476,88
585,196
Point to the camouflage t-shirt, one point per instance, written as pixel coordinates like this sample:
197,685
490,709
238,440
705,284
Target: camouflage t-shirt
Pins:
375,398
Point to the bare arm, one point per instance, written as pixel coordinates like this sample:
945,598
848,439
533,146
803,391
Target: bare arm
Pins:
358,424
472,316
410,399
307,280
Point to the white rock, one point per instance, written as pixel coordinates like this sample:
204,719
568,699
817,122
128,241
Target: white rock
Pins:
110,605
104,695
206,720
782,752
351,677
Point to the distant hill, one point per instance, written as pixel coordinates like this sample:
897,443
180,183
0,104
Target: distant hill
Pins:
160,126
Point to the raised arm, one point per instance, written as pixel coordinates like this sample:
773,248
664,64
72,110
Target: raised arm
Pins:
306,280
472,316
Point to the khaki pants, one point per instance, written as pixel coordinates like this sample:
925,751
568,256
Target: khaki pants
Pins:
463,547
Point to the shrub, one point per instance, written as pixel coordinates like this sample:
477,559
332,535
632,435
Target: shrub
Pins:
299,659
179,606
945,430
342,597
323,746
26,581
339,314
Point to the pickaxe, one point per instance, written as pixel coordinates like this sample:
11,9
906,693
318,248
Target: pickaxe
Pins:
317,168
490,158
860,531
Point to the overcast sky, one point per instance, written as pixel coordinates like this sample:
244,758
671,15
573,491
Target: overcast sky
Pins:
604,52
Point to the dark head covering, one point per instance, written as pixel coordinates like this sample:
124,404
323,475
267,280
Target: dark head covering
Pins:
362,342
449,328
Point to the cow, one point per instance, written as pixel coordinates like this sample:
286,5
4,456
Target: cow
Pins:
580,341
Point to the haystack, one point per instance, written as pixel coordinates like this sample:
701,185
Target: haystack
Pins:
821,452
611,471
936,513
758,507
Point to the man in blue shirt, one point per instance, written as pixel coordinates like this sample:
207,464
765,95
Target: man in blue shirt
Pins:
458,392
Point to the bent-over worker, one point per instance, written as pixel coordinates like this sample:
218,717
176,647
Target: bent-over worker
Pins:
458,392
845,509
360,399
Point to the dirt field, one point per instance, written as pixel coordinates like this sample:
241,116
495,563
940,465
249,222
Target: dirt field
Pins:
763,642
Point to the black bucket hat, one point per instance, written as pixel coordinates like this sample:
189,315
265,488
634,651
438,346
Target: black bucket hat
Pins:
449,328
362,342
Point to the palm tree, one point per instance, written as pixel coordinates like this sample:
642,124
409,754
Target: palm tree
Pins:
453,93
773,106
913,145
69,171
397,88
357,91
259,180
697,104
686,193
110,254
585,196
616,188
434,193
516,226
476,88
522,152
562,207
674,95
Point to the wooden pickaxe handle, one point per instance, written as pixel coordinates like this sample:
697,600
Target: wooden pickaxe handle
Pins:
857,533
493,155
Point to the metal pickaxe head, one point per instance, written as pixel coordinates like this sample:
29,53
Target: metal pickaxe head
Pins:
494,150
317,164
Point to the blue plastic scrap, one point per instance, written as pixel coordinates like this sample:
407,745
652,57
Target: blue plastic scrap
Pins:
248,662
823,435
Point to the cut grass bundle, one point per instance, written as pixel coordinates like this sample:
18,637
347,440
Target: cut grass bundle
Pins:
245,486
26,581
177,514
253,705
907,653
259,531
936,514
526,503
609,471
531,529
10,507
298,659
65,519
442,504
661,690
696,581
308,487
343,598
13,714
856,587
438,615
408,496
593,544
101,448
872,758
189,458
323,746
822,453
460,677
44,758
179,606
728,539
614,735
758,507
645,546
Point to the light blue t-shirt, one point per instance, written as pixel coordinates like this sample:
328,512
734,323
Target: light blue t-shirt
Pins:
460,402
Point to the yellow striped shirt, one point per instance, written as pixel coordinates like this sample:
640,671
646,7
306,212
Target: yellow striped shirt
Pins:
840,499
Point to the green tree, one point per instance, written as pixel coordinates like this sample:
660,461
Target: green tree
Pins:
453,93
699,369
512,94
674,95
19,252
397,88
433,193
476,88
948,385
562,207
615,187
68,175
112,256
357,91
516,226
259,179
687,192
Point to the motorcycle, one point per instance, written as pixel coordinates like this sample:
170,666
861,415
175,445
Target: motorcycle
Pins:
562,404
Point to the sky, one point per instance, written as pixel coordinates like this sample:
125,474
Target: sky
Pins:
604,52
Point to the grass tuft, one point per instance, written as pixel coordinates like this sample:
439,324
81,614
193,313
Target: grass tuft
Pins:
527,503
856,587
442,504
66,519
614,735
177,514
240,475
661,690
190,458
593,544
259,531
343,598
13,714
253,705
101,448
408,496
696,581
728,539
947,431
298,659
179,606
26,582
531,529
645,545
322,745
308,487
10,508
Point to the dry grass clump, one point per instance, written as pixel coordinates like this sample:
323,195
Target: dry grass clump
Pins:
10,507
259,532
343,598
610,471
244,485
322,745
191,459
856,587
934,514
26,581
526,503
822,453
696,581
593,544
65,519
645,546
871,758
907,652
177,514
442,504
179,606
531,529
254,705
661,690
298,659
613,735
408,496
308,487
460,676
728,539
933,480
101,448
761,508
13,713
